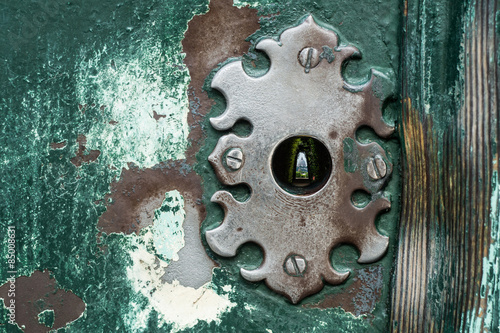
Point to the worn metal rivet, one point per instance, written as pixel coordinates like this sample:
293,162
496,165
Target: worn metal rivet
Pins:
295,265
234,158
309,58
376,167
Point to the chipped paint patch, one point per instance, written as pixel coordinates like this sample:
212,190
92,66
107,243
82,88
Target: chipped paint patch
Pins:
46,317
177,305
167,231
40,302
490,281
139,118
241,4
138,317
250,308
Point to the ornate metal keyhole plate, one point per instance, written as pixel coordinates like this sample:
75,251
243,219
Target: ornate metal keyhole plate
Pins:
302,94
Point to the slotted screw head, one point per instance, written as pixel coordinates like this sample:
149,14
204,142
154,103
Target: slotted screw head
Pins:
309,58
376,167
295,265
234,158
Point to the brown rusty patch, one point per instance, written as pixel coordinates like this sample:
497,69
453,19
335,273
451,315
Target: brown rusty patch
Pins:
58,145
361,297
157,116
209,40
37,293
139,192
81,157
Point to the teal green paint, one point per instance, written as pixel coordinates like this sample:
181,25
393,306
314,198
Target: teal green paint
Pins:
168,234
262,303
490,281
126,93
436,66
68,60
55,205
46,318
434,58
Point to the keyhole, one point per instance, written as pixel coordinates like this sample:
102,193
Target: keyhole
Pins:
301,165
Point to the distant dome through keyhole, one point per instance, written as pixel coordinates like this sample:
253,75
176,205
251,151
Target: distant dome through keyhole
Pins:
301,165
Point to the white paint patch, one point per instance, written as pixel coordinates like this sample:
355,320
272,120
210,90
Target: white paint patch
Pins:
490,282
151,252
228,289
240,4
138,317
167,231
249,307
126,90
178,305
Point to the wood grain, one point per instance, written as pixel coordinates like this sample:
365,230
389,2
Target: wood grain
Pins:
450,160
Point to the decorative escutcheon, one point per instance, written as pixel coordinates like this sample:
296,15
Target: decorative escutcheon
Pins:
302,162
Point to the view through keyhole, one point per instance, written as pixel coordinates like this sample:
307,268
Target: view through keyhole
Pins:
301,165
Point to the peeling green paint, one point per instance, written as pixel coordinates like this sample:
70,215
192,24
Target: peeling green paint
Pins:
46,318
142,120
177,306
110,70
96,62
168,234
490,281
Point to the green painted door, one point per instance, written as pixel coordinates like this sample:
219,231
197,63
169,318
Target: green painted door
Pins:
106,180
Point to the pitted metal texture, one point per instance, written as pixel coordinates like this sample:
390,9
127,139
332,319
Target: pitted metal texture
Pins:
302,94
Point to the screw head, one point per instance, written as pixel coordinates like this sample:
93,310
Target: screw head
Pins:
234,158
295,265
376,167
309,58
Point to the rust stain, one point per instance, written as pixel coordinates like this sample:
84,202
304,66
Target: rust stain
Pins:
135,196
37,293
207,42
80,156
138,192
58,145
157,116
361,297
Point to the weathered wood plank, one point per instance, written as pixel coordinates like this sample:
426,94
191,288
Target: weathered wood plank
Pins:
446,272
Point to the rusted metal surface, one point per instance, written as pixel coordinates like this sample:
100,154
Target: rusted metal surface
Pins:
136,195
206,44
138,192
301,94
359,298
82,155
40,292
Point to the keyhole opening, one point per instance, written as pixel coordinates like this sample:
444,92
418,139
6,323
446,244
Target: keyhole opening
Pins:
301,165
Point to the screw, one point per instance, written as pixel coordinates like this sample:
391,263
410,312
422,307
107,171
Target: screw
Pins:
309,58
376,168
234,158
295,265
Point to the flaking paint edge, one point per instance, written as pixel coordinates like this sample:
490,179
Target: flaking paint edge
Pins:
177,305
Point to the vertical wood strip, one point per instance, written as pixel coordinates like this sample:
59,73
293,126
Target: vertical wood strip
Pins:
450,163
